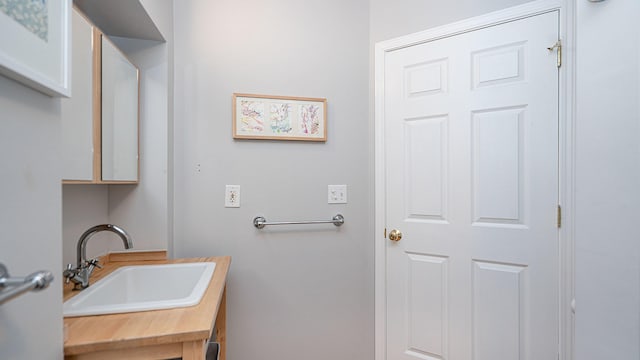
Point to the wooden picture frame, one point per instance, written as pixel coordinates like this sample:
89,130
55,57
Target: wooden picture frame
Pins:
270,117
35,48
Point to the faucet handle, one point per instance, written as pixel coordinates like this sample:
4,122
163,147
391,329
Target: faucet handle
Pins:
68,273
94,262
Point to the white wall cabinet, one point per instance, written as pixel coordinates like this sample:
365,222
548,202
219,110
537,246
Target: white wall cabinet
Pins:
119,115
100,120
77,111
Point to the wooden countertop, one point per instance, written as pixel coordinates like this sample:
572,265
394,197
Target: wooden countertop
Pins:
167,332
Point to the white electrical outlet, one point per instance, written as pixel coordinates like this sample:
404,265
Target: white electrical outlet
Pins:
232,196
337,194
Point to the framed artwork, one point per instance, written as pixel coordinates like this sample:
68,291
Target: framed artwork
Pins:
35,44
271,117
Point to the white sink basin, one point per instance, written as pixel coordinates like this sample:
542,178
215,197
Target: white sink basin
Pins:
142,288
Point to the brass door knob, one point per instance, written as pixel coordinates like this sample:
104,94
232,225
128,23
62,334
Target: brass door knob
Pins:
395,235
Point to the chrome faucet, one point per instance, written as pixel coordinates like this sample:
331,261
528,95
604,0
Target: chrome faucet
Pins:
84,268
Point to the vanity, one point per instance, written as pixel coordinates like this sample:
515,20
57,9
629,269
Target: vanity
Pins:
158,334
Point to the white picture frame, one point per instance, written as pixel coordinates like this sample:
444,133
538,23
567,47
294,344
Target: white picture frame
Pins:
35,44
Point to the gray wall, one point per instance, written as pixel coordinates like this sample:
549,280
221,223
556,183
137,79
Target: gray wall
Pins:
82,207
30,198
390,19
143,209
300,292
607,262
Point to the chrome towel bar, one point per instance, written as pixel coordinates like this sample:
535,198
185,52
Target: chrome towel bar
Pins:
260,222
13,287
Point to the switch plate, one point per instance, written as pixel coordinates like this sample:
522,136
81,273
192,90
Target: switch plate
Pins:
337,194
232,196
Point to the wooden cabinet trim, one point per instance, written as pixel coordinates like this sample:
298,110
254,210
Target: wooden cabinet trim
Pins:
97,105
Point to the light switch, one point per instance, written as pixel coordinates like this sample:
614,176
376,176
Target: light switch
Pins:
232,196
337,194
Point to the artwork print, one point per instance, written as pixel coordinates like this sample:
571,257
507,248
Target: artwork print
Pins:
32,14
309,119
252,116
279,117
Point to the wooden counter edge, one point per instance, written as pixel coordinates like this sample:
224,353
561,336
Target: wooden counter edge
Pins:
215,294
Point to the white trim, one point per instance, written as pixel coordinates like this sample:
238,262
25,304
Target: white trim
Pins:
491,19
567,179
380,259
566,153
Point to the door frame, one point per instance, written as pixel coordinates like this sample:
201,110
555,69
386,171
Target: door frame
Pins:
566,153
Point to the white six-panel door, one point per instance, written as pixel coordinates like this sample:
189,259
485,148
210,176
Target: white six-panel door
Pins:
471,156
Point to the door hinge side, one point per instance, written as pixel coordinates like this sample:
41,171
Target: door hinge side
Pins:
559,216
558,46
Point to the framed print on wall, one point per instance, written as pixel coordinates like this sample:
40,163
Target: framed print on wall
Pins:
271,117
35,44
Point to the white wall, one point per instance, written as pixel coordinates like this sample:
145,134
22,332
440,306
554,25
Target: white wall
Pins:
299,292
607,191
30,219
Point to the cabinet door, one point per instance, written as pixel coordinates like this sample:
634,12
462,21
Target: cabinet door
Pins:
119,115
77,111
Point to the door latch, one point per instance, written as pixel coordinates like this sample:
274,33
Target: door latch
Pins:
557,45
